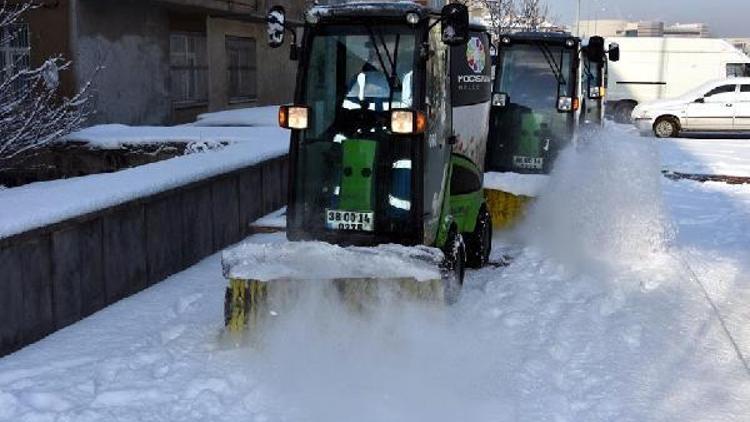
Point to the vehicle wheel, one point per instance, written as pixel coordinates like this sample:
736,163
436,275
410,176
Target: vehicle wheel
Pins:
666,127
453,266
479,242
623,112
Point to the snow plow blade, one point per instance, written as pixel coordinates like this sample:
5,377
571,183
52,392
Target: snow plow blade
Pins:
506,208
265,280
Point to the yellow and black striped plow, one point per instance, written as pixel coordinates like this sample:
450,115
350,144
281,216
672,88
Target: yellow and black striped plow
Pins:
506,208
249,303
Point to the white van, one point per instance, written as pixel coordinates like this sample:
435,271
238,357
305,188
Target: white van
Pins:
656,68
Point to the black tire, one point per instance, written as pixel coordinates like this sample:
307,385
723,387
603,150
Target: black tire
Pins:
623,111
454,265
479,242
666,127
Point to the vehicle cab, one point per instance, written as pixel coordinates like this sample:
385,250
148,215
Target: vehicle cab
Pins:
536,104
373,143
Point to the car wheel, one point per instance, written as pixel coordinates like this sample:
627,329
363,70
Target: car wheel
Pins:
666,127
479,242
453,267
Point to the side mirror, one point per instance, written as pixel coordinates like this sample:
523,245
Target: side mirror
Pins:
455,24
276,19
614,52
595,49
700,100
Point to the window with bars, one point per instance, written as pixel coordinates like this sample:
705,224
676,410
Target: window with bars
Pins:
15,50
241,69
188,68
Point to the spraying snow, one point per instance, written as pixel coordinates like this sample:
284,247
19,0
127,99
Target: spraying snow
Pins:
603,205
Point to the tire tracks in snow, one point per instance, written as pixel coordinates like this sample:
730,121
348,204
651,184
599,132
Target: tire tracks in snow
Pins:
715,309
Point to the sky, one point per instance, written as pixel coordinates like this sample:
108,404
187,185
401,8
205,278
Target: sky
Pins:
726,18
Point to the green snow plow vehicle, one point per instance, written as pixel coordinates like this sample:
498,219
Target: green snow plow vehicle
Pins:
536,112
384,172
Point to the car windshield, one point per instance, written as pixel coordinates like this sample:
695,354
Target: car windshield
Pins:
529,131
355,75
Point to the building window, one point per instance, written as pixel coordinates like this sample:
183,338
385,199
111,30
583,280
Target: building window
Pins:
14,50
241,69
188,68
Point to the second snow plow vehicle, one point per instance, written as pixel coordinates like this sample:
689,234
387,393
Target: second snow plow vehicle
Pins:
536,112
385,174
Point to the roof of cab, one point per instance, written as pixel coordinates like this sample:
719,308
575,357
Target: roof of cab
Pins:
546,36
369,9
386,9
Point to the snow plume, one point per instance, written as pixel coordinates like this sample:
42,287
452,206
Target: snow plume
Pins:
396,361
603,204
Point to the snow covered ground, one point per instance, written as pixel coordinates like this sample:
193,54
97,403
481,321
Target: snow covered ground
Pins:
626,300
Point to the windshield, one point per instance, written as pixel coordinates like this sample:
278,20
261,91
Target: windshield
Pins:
347,159
528,132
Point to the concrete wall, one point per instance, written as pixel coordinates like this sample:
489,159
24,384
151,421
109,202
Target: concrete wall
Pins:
130,39
56,275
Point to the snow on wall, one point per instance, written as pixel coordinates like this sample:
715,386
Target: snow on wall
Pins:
38,204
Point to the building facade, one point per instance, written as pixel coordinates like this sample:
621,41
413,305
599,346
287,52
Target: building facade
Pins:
165,61
623,28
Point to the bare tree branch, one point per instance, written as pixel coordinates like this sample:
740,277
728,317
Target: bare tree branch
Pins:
32,113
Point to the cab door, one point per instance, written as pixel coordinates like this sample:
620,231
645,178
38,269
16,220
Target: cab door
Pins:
742,109
715,111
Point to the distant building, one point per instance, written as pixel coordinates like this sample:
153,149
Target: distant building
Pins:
623,28
742,44
687,30
162,61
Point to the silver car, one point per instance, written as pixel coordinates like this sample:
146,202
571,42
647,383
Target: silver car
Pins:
717,106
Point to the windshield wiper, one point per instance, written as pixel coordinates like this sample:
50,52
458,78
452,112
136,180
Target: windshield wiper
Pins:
550,58
393,81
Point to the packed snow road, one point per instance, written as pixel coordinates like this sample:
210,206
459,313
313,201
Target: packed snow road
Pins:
602,314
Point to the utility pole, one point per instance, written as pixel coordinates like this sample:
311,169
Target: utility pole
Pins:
578,19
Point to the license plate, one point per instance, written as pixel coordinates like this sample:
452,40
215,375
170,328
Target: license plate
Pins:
350,220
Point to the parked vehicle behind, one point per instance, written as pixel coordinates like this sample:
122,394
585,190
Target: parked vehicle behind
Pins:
716,106
659,68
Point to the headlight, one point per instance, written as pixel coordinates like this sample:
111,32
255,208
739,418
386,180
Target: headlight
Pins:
293,117
412,18
499,99
567,104
408,122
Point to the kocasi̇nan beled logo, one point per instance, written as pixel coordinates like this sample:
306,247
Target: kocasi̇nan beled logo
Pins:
476,55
